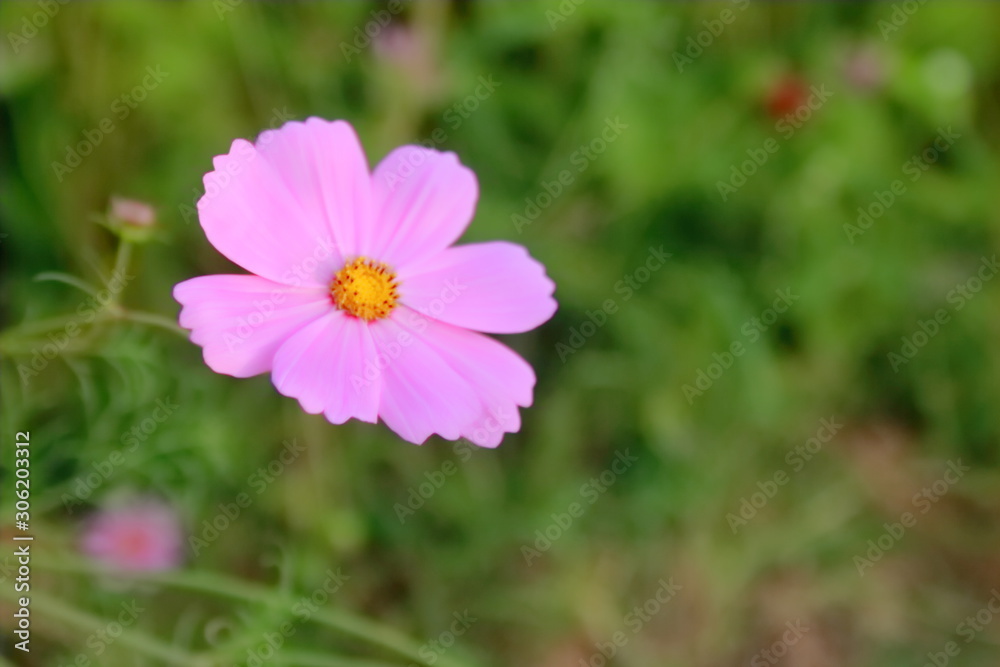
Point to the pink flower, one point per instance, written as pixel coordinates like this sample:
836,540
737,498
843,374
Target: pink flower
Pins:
865,68
142,537
132,212
359,306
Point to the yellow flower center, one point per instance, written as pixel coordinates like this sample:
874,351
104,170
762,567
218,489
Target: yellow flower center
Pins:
365,288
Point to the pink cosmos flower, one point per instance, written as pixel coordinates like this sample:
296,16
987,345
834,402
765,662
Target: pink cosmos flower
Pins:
359,305
142,537
132,212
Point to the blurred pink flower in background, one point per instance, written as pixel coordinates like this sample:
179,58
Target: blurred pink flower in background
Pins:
865,68
132,212
142,536
399,45
408,50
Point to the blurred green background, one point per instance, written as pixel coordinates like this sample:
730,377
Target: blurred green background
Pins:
727,500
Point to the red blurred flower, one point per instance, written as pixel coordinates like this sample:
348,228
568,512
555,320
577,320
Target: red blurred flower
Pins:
786,96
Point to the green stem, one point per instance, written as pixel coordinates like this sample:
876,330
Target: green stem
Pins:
68,280
217,584
45,605
22,338
26,338
303,659
8,340
39,327
155,321
122,258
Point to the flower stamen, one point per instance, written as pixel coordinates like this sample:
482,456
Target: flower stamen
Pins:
365,288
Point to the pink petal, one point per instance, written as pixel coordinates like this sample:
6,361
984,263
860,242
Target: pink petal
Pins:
424,201
141,536
421,393
329,366
324,167
498,375
492,287
251,217
437,378
240,320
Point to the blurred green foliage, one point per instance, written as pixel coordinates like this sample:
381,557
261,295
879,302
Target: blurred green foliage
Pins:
695,106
